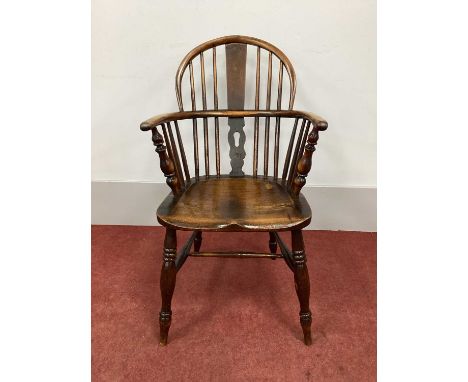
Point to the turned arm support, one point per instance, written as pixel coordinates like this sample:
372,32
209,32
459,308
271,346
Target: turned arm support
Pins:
168,166
316,120
166,163
305,163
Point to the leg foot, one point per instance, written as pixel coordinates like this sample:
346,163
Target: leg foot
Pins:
197,242
167,284
306,321
301,280
164,325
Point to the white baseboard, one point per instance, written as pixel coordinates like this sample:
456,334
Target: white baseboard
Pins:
135,203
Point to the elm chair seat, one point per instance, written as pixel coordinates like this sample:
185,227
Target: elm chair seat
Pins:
214,205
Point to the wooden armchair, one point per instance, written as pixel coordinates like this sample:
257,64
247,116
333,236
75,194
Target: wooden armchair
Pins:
267,200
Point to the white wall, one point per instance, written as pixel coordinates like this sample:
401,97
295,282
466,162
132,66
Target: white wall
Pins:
137,47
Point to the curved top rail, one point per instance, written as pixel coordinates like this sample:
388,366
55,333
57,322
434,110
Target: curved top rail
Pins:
230,40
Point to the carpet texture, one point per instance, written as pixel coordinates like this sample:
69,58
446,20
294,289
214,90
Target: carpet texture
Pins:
233,319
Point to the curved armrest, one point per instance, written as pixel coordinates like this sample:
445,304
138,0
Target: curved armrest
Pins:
317,122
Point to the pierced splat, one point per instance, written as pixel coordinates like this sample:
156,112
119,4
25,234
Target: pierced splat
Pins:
236,55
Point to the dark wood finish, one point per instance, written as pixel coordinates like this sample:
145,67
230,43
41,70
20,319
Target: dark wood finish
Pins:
257,105
244,40
235,255
305,163
198,241
166,164
174,153
280,87
207,146
236,55
218,157
236,152
316,120
205,120
192,87
236,202
215,80
195,149
289,151
180,259
203,81
285,252
215,102
276,151
257,80
167,283
278,122
195,126
292,169
182,152
266,149
272,243
301,281
300,151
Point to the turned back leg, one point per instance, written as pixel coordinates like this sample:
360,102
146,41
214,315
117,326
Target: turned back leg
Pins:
197,241
167,283
272,243
301,281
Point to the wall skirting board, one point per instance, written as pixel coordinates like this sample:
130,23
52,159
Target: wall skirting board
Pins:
135,203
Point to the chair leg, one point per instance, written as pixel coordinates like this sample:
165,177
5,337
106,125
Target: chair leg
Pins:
272,243
197,241
301,280
167,283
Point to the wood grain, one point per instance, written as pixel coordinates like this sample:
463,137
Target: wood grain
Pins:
316,120
235,204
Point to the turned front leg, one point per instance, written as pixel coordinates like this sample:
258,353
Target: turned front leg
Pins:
167,283
301,281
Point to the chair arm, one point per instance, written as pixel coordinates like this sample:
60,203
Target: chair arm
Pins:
168,167
317,122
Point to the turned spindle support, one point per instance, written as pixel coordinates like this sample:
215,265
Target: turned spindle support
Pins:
305,163
166,163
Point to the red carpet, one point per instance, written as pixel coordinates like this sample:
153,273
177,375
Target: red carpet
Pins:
233,319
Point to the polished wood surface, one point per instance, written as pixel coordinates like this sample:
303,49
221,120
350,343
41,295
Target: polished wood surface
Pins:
301,281
318,121
167,283
236,255
235,204
236,55
270,199
272,51
166,163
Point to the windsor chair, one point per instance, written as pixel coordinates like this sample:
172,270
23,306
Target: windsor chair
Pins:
265,200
